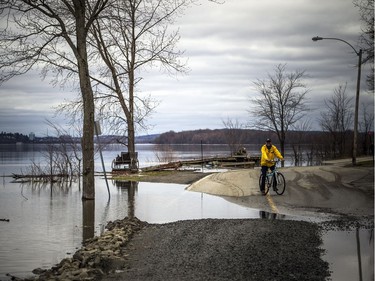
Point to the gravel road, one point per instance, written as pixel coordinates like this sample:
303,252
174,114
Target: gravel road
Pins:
217,249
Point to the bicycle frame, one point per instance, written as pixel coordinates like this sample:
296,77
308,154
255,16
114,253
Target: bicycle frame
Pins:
271,175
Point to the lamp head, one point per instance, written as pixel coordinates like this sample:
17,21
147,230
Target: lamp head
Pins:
317,38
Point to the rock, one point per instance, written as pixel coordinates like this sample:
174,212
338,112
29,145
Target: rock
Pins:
38,271
78,256
112,263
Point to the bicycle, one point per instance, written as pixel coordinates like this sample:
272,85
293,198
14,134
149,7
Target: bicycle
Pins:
278,184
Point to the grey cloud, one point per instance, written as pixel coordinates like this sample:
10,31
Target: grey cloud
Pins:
24,121
228,47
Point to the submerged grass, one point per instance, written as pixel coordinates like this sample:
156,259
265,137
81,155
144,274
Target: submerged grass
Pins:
142,176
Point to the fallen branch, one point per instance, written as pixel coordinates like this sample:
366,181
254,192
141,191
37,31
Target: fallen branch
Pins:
18,176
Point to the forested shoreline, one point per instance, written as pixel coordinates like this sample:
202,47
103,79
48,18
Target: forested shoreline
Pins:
334,143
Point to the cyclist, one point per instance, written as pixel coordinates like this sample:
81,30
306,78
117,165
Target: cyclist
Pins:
269,151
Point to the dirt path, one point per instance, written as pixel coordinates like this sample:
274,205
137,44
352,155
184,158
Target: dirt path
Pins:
343,190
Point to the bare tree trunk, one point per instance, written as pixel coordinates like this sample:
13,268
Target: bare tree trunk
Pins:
130,119
131,147
88,141
88,105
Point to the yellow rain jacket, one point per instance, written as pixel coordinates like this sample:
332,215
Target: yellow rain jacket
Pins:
269,155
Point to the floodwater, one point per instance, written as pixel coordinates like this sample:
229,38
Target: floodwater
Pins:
48,223
350,254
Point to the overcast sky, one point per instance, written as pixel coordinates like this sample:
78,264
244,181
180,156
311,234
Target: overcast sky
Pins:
228,47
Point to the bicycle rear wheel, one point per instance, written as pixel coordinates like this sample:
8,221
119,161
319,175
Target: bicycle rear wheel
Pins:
280,187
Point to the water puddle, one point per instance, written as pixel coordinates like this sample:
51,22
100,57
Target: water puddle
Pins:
350,254
47,224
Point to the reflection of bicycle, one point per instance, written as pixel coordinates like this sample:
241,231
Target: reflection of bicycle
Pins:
275,179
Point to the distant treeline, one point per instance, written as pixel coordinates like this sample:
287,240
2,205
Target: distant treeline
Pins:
244,136
334,145
13,138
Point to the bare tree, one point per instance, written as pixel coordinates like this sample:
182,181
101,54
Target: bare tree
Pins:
53,34
234,135
367,127
130,37
337,118
366,40
302,130
282,102
68,148
164,153
61,160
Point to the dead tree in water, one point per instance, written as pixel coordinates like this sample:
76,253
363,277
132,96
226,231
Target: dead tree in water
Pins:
61,161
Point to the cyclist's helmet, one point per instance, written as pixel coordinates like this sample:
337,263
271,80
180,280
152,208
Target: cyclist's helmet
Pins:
268,143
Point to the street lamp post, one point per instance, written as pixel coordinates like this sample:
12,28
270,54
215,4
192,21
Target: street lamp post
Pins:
359,54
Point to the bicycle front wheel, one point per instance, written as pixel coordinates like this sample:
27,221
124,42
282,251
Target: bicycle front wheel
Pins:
280,188
266,185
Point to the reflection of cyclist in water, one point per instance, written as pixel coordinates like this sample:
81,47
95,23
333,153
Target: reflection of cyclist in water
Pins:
267,215
269,152
270,216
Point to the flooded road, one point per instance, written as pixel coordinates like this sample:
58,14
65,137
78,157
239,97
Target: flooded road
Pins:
47,224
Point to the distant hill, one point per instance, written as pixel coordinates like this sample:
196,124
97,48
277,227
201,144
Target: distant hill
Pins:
146,138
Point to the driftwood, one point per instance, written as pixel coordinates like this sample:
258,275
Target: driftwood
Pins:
7,220
21,176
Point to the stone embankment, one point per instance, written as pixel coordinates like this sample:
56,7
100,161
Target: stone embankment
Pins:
98,256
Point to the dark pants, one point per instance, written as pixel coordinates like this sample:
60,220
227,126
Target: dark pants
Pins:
264,173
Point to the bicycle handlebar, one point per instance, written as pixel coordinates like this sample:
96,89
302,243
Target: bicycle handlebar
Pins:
275,161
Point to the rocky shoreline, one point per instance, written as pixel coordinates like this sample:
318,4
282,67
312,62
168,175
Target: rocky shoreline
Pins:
97,257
